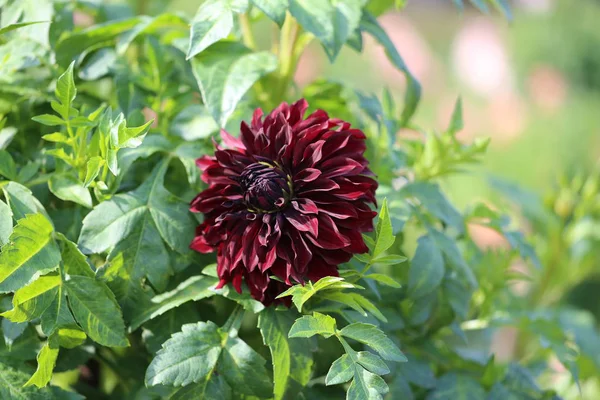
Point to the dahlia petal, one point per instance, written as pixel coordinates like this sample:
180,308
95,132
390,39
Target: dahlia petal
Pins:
357,244
305,206
341,166
319,117
329,236
257,283
257,119
297,111
338,210
205,162
222,282
250,245
303,255
248,137
334,257
304,139
265,230
303,222
237,282
321,269
307,175
201,245
320,185
269,260
230,141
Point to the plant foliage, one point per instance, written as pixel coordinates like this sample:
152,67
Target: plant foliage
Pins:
101,296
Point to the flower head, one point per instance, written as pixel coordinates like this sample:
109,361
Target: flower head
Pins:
288,199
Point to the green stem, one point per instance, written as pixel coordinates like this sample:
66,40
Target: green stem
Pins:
233,323
247,35
288,56
248,39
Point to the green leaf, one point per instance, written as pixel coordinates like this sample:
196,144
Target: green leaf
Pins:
189,356
453,386
198,351
356,41
65,92
292,358
92,170
24,348
30,253
46,360
432,198
426,268
6,224
274,9
332,22
112,221
213,21
12,331
61,154
158,330
453,256
194,122
341,371
21,201
302,293
96,310
244,299
384,234
193,289
501,392
49,120
384,279
213,388
224,74
31,301
481,5
75,263
346,299
389,259
504,7
68,188
412,96
369,306
141,254
129,137
70,338
366,386
310,325
148,25
244,369
8,168
373,337
11,387
418,372
56,137
70,46
57,314
372,363
12,27
456,121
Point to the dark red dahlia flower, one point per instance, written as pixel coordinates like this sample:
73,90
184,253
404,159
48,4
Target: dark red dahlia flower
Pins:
288,199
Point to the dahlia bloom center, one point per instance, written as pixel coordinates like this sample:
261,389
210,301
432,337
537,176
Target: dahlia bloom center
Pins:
266,187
